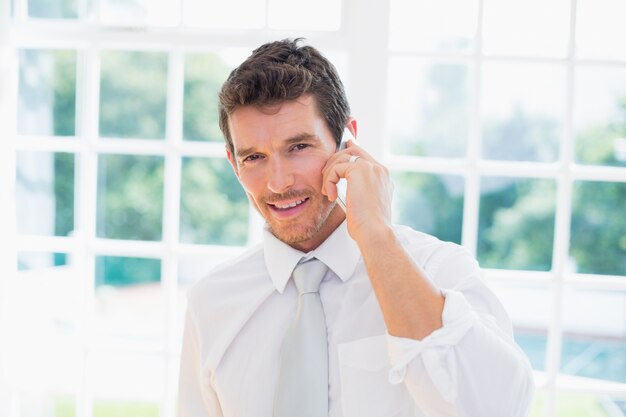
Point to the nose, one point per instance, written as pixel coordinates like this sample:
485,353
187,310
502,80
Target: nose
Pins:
280,176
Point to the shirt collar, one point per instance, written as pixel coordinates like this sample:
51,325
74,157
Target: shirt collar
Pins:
339,252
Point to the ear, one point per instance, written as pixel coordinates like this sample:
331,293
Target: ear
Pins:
351,125
231,159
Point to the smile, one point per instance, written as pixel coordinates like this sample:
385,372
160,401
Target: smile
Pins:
290,205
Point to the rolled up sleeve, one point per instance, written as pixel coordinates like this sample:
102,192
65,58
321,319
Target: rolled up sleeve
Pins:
471,366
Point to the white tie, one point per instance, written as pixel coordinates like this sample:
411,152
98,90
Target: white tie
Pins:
302,388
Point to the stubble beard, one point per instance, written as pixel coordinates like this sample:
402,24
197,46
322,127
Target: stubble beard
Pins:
296,231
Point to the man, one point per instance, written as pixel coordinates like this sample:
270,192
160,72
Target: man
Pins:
407,326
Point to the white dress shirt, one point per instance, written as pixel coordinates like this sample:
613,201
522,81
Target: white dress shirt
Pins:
238,315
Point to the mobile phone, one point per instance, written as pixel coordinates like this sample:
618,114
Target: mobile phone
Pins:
342,185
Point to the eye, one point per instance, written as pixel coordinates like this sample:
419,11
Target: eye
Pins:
300,146
252,158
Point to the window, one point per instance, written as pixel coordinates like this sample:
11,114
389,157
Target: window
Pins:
507,140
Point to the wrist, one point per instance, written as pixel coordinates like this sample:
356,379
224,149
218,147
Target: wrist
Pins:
375,235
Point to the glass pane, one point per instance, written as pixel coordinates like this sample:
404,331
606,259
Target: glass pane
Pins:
523,111
48,404
430,203
44,193
530,324
126,384
204,76
43,341
129,303
28,261
516,223
598,229
135,13
594,340
588,405
600,29
304,14
447,25
133,88
130,197
428,107
214,207
64,9
531,27
232,14
600,115
47,92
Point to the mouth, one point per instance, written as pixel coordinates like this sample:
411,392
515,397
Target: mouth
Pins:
287,209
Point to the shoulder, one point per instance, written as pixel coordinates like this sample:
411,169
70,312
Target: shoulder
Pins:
436,256
229,275
424,245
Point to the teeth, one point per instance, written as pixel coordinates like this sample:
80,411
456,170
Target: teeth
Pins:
295,203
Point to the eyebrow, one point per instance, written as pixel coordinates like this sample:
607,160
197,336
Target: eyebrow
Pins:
301,137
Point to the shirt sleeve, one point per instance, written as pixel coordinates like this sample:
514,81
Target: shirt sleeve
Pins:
196,396
471,366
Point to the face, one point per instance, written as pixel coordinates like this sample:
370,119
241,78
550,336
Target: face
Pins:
279,155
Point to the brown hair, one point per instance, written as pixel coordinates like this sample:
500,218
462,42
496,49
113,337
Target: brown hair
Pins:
282,71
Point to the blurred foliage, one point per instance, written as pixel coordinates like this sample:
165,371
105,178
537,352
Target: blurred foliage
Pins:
443,127
204,75
119,271
133,88
58,9
47,92
521,138
598,228
214,207
64,168
596,145
516,223
430,203
130,197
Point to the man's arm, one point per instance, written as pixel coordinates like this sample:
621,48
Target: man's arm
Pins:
446,350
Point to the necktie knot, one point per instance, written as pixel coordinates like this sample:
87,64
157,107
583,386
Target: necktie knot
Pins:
308,276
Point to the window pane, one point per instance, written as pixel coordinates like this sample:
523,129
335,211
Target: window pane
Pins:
430,203
133,89
600,29
598,229
428,107
28,261
204,76
600,115
531,27
214,207
304,14
135,13
523,111
65,9
516,223
588,405
47,92
126,384
530,324
130,197
43,340
447,25
47,403
129,303
232,14
45,193
594,340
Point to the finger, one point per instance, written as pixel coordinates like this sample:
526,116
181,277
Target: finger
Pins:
355,149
